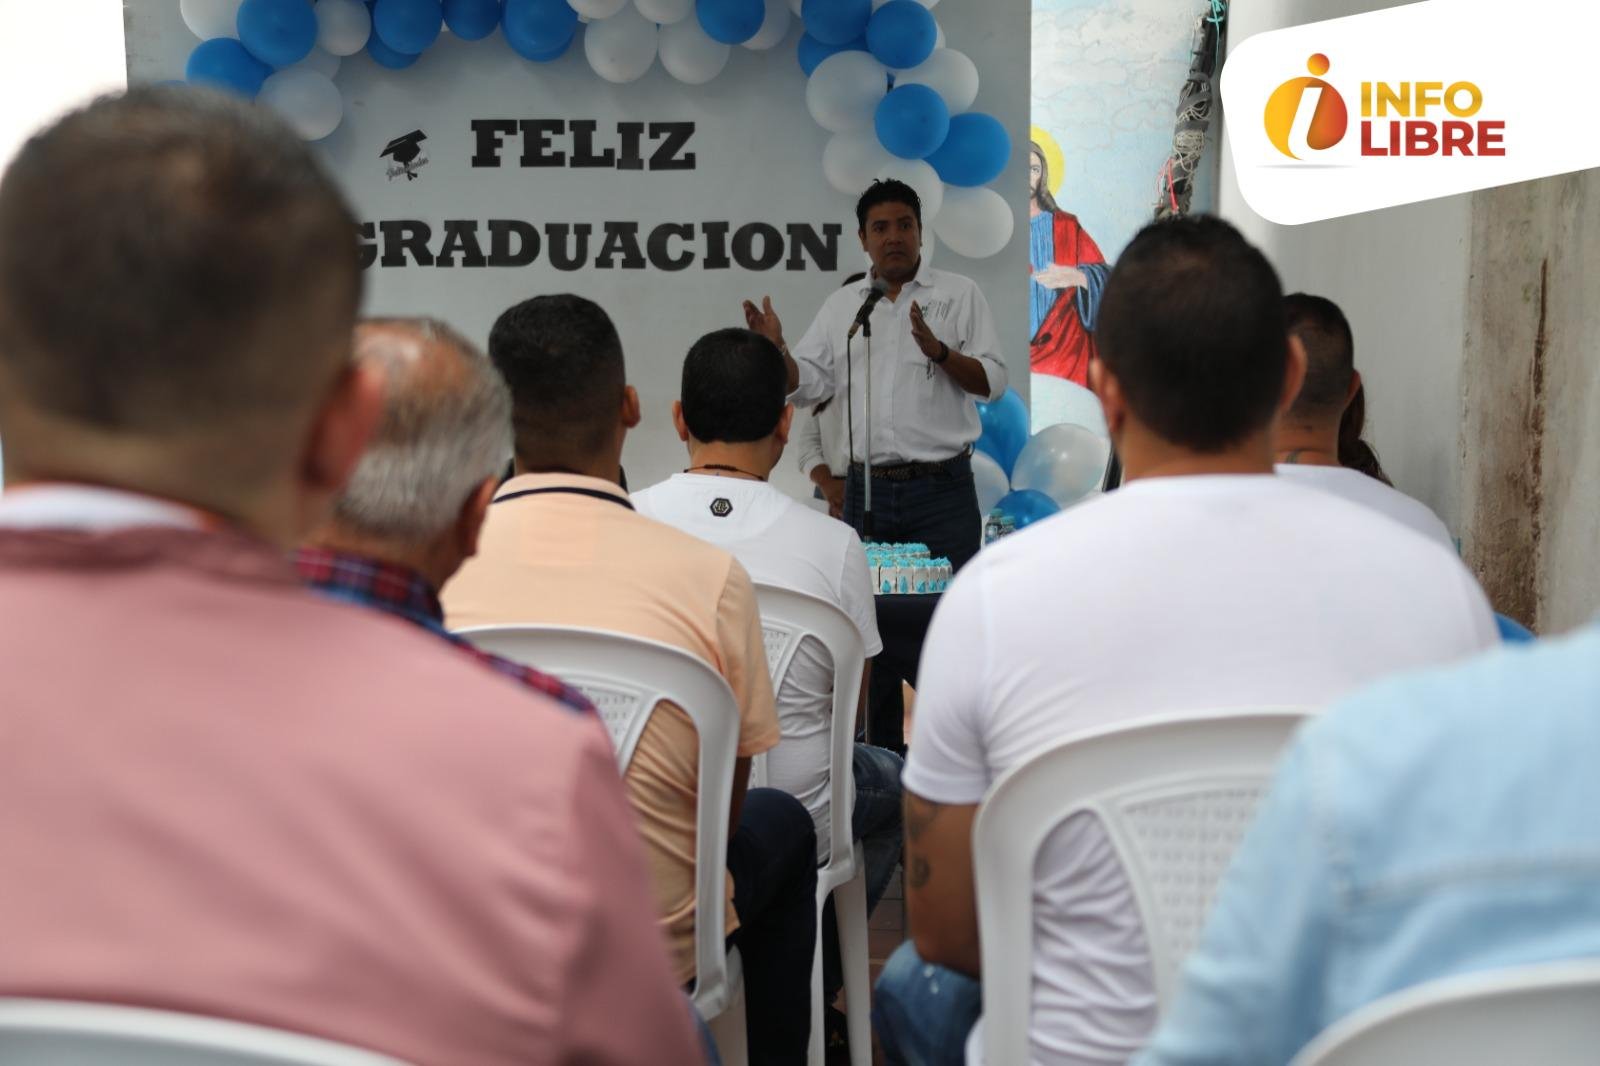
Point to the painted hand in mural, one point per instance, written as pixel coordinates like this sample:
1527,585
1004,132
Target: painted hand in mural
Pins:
1061,277
764,320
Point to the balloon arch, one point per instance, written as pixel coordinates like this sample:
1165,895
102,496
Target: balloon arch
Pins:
897,102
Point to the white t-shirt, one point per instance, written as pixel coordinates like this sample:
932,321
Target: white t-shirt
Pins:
1357,487
786,544
1169,595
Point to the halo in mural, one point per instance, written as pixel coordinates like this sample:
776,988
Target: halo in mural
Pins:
1054,161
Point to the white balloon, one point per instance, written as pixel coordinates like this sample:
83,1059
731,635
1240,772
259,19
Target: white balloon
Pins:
594,10
795,5
324,63
921,177
309,101
343,26
1064,461
621,48
975,223
211,18
1054,400
690,55
774,28
665,12
990,481
845,89
852,159
938,36
950,74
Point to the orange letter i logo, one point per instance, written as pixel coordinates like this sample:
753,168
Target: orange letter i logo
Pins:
1329,119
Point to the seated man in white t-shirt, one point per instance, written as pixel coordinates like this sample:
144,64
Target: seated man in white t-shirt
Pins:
1308,438
735,419
1205,583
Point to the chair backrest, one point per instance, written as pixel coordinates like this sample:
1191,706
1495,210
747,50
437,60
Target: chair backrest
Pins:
1548,1014
38,1032
626,678
787,618
1175,796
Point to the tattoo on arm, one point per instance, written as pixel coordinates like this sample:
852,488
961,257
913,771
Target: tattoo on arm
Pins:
919,815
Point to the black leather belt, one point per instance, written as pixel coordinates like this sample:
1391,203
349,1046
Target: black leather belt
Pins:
912,471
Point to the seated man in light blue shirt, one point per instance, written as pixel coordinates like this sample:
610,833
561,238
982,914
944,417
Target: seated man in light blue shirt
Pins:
1435,825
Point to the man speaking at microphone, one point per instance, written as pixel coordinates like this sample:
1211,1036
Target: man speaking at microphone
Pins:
935,352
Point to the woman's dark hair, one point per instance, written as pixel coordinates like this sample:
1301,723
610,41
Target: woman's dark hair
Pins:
1354,452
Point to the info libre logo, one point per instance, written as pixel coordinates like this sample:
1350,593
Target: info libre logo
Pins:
1397,118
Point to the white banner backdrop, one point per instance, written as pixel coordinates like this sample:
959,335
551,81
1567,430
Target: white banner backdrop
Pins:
665,203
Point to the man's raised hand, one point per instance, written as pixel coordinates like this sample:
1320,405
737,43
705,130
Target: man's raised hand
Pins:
764,320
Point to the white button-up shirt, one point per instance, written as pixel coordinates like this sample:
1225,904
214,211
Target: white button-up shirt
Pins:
917,415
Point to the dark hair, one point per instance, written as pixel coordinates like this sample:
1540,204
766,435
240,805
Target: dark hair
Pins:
1191,324
887,191
562,359
172,259
1047,200
1354,452
735,387
1330,353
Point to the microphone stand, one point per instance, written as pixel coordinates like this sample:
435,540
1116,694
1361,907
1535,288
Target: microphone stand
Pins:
866,452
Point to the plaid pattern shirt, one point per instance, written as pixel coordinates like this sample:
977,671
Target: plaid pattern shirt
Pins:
405,594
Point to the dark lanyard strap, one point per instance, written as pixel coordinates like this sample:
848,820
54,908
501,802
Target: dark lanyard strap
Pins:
595,493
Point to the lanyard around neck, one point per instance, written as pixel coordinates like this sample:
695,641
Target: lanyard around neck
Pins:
566,490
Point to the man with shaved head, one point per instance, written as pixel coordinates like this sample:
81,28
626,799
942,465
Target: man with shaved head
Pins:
411,514
220,793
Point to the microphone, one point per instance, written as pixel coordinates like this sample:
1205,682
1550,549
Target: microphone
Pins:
880,289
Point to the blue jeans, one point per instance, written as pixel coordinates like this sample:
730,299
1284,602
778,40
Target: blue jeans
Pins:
922,1013
939,510
875,821
773,859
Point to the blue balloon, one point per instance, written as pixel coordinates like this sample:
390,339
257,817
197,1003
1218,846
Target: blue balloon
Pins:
1026,506
902,34
1005,429
1513,631
385,56
472,20
280,33
407,26
224,63
811,52
912,121
539,30
836,22
975,151
731,21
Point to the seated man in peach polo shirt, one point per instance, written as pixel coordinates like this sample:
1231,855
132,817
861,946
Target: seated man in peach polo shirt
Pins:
562,545
220,793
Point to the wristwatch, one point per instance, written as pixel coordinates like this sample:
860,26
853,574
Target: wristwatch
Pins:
944,353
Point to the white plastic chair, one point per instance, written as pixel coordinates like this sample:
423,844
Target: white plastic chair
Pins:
626,678
1175,796
787,617
1548,1014
41,1032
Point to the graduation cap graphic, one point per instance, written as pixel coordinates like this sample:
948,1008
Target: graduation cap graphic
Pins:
406,151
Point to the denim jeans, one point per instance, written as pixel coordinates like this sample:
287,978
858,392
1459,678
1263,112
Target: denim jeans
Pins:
939,510
922,1013
875,821
773,859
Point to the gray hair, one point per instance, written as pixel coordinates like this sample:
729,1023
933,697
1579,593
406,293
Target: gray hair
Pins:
446,428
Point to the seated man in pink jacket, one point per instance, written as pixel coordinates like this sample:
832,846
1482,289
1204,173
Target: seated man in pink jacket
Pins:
220,793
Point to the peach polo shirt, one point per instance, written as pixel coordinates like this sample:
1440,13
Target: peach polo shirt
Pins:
587,559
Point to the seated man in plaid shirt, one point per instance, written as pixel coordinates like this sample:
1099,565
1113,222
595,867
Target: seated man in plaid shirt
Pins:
411,513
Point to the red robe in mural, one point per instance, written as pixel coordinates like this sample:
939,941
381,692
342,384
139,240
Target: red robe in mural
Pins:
1062,347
